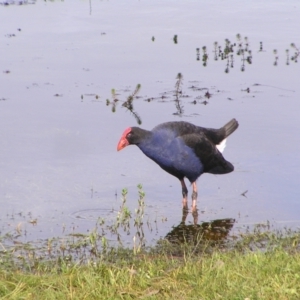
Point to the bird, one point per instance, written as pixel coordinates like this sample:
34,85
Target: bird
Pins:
184,150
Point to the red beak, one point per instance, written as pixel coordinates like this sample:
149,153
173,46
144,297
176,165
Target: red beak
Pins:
122,143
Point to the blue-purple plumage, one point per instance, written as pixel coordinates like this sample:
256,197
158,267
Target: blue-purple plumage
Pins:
172,154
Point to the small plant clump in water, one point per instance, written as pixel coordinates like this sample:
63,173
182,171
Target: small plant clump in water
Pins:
287,56
293,58
276,57
197,53
204,56
260,46
216,49
227,53
175,39
296,54
114,101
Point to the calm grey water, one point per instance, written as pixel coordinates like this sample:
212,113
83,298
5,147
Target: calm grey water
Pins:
58,158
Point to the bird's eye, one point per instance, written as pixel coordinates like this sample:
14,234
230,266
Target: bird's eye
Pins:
129,135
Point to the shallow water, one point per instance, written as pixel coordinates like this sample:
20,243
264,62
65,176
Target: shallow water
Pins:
58,158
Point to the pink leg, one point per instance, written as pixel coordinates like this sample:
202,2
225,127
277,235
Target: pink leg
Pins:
194,197
184,195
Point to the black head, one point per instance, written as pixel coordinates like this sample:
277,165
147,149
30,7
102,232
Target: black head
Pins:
132,136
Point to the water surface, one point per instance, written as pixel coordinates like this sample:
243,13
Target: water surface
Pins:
59,62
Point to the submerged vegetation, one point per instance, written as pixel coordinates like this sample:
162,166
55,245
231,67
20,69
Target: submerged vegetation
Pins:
230,53
199,261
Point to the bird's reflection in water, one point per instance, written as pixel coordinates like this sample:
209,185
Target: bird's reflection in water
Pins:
214,231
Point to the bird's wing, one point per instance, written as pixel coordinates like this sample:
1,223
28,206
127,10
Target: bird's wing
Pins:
181,128
177,128
212,160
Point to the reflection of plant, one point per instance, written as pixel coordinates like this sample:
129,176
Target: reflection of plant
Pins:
178,94
128,103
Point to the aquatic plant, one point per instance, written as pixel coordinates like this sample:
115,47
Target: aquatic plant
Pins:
296,53
178,94
175,40
128,103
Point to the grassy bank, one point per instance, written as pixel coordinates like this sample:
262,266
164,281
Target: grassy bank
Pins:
273,274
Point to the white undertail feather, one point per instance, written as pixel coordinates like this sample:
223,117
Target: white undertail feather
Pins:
221,146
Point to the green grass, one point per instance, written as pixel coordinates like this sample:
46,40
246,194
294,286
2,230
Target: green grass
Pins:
231,274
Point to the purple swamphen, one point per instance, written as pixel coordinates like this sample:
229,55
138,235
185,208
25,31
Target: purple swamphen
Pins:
183,150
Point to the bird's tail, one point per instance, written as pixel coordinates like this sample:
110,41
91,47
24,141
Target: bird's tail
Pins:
224,168
230,127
